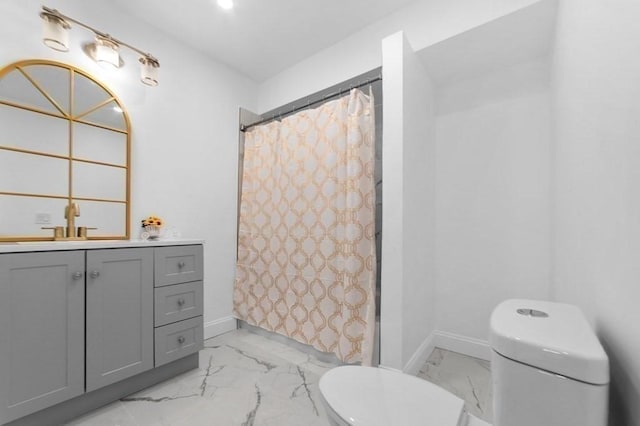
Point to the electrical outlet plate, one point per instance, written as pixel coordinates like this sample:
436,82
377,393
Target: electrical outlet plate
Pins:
43,218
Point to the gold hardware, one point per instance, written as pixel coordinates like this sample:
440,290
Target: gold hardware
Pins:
58,231
70,213
59,234
82,231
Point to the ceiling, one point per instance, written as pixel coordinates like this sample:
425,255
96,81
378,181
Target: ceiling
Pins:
260,38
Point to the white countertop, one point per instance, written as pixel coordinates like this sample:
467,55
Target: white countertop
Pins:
28,246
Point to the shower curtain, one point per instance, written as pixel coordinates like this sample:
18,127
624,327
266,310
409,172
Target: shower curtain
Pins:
306,244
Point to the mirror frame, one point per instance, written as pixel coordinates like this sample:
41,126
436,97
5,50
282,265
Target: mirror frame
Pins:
71,118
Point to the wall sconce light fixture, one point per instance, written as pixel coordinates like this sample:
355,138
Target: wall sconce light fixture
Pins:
55,32
105,50
149,71
107,54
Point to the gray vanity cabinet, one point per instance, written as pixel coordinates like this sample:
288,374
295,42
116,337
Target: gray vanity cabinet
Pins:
120,318
41,330
80,328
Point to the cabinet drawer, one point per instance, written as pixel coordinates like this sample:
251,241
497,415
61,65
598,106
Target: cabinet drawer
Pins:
178,264
178,302
179,339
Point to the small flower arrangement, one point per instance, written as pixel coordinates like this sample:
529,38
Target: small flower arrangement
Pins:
151,227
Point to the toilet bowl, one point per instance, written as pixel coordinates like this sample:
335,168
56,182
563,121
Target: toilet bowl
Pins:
355,396
547,368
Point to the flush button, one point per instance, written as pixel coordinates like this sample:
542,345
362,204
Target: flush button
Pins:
532,313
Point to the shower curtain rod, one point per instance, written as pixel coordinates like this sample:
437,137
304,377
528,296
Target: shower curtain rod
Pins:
244,128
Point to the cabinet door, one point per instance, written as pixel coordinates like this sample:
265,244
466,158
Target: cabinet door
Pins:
119,314
41,330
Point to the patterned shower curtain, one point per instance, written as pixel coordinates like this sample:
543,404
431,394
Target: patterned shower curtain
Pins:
306,243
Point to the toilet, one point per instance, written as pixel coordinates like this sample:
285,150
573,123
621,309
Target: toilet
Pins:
547,366
548,369
368,396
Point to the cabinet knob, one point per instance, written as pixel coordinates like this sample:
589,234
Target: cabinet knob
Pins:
94,274
181,339
181,302
77,276
181,264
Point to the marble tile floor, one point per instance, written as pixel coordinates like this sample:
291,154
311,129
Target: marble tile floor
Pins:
246,379
466,377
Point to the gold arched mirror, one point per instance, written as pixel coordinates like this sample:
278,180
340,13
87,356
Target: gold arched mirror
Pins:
64,141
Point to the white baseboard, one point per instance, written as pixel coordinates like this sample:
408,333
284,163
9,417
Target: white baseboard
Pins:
389,368
463,345
421,355
452,342
219,326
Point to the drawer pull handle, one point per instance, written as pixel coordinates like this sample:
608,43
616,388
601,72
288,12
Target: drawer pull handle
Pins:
181,302
77,275
181,264
94,274
181,339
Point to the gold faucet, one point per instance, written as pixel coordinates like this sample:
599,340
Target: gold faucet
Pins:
71,211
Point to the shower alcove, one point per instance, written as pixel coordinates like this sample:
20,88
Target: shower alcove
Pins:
466,129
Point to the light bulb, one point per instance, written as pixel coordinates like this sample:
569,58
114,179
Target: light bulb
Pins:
226,4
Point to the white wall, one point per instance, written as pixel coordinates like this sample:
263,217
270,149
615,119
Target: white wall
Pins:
408,219
493,202
597,169
419,197
184,132
424,22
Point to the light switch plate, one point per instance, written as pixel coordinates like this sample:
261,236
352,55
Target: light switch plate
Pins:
43,218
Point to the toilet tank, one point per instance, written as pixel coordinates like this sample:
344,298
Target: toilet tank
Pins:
547,365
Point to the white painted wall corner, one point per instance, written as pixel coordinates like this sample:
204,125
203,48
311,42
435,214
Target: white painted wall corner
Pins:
421,355
469,346
452,342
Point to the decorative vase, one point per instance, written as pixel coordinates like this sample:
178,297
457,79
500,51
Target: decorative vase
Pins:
150,232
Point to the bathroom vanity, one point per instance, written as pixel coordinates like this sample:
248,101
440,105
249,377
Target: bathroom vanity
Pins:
86,323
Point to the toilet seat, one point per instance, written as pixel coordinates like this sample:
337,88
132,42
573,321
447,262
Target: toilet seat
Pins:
377,397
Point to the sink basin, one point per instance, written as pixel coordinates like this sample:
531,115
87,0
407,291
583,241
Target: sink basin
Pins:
74,243
20,246
28,246
33,242
50,242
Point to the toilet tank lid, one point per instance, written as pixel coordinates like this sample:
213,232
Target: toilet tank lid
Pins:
555,337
